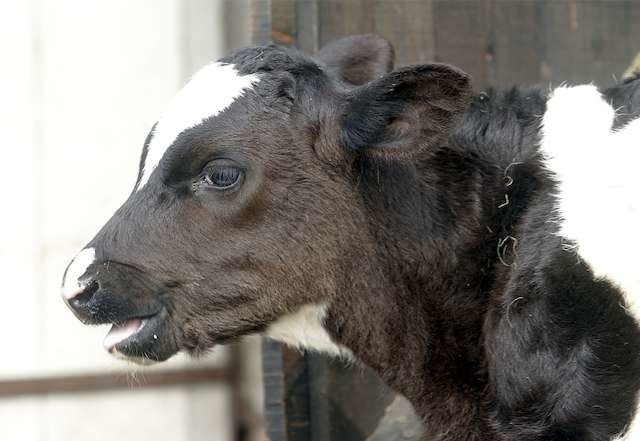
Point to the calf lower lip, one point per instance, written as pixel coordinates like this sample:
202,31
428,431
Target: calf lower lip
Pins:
122,331
142,339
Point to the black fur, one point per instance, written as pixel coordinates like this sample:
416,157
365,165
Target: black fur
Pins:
625,98
423,217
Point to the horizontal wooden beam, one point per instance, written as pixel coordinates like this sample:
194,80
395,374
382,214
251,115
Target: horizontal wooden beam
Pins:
110,381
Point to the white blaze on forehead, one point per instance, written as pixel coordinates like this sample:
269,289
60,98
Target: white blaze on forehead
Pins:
71,286
211,90
598,184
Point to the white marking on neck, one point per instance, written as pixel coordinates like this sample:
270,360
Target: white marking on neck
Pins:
633,434
304,329
598,184
211,90
71,286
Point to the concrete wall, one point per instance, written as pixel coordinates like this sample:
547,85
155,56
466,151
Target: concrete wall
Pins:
81,82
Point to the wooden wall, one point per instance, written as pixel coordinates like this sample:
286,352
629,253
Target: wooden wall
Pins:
499,42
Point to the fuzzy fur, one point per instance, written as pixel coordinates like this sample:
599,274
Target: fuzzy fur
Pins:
425,219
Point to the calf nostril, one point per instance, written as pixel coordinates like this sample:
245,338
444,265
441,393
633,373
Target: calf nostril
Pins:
86,294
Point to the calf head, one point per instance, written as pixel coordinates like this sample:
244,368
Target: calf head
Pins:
246,207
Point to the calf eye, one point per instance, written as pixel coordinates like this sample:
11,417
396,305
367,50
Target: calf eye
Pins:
221,176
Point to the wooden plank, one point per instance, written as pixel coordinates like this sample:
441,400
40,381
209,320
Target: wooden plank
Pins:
241,425
409,25
283,22
274,391
260,21
97,382
250,22
307,21
518,47
462,37
406,23
340,18
297,392
590,40
287,390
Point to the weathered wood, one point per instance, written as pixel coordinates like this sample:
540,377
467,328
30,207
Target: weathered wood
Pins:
515,36
389,19
307,19
590,40
97,382
283,22
249,22
297,393
498,42
341,18
462,37
274,391
392,20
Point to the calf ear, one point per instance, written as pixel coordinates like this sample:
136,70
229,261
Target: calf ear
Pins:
413,107
357,59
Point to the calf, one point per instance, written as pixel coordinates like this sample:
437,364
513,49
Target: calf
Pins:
393,219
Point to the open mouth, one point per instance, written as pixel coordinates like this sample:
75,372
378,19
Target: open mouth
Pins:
122,331
120,295
139,339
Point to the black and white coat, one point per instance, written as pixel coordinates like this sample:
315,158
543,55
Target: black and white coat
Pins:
477,252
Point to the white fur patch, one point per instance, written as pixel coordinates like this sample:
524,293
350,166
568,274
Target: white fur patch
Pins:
71,287
599,185
211,90
633,434
304,330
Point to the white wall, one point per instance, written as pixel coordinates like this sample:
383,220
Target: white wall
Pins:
81,83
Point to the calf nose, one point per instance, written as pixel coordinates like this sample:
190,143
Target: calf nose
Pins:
80,301
75,289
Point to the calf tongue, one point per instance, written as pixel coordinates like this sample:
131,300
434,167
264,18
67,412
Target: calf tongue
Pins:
121,331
